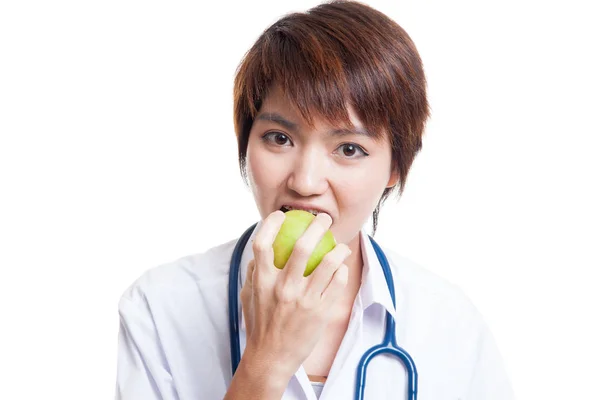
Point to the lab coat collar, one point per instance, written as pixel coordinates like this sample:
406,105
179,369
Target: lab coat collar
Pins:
373,290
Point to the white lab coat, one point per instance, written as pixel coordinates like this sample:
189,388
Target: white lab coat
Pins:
174,335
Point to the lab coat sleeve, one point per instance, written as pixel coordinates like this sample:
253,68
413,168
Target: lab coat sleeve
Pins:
142,368
489,380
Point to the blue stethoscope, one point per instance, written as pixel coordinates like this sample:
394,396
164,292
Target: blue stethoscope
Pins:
388,345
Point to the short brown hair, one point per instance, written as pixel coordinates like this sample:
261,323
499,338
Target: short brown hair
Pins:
337,53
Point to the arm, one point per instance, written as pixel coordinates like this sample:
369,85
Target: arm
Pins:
255,379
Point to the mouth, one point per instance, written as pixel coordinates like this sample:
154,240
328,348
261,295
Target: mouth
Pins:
314,211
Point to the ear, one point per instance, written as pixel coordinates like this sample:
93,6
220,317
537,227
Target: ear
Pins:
394,178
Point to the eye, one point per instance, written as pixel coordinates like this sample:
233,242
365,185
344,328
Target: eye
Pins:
351,150
277,138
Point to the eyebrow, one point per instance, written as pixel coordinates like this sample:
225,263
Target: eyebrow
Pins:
278,119
292,126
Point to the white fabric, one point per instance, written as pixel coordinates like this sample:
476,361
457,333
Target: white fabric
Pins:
174,335
318,388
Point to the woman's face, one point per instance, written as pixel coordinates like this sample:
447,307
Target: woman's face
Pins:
331,169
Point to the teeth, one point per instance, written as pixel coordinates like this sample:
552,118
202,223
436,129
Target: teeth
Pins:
288,208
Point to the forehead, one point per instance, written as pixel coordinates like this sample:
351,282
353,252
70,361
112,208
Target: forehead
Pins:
277,104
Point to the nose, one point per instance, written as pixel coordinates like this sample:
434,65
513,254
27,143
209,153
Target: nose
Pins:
308,175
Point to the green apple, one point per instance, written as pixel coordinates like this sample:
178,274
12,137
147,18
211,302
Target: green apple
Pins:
294,225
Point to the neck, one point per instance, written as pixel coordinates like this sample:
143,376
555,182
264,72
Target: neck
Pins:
355,268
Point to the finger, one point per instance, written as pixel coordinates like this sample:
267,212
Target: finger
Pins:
336,286
247,288
250,272
305,245
321,277
246,297
263,242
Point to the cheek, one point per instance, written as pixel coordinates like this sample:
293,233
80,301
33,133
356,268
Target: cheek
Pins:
362,194
262,173
362,191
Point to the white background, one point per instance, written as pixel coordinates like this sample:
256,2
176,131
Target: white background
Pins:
117,154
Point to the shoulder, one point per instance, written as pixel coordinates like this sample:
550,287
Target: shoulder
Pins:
429,291
416,275
445,332
183,275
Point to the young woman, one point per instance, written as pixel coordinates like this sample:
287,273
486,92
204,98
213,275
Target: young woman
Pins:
330,107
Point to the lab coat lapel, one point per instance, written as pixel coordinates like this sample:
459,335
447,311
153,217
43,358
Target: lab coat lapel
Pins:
300,387
374,288
366,329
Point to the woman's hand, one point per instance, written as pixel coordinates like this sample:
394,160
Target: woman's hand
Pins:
285,312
